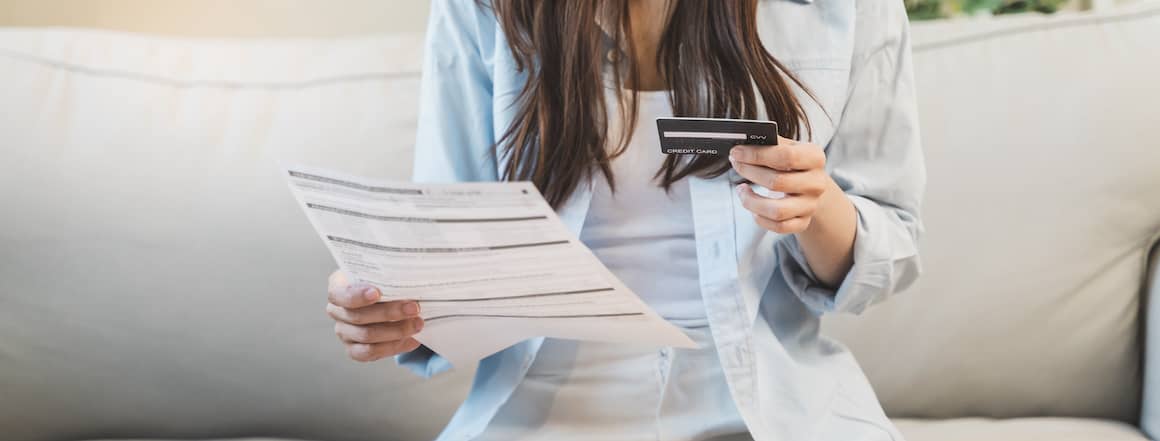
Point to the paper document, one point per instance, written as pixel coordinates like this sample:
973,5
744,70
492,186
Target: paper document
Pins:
490,263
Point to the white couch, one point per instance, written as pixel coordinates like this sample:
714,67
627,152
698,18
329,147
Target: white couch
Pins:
156,279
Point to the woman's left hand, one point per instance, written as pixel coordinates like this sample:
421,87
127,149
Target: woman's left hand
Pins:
797,169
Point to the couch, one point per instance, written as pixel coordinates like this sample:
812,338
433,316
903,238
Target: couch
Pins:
157,280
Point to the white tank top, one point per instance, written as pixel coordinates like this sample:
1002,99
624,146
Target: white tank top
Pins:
643,234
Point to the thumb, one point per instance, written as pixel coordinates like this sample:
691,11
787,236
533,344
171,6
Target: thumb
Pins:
342,292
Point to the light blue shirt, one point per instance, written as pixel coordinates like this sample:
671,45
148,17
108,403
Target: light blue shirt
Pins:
763,302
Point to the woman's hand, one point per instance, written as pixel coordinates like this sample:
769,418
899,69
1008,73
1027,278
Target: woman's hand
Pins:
371,330
814,208
796,169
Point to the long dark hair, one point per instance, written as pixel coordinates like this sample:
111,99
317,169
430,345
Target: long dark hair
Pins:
710,57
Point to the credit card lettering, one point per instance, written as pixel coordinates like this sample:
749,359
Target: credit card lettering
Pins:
708,136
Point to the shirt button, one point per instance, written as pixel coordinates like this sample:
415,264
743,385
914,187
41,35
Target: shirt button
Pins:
739,354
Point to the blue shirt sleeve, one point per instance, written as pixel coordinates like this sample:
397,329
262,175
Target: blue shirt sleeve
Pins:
455,137
455,134
876,158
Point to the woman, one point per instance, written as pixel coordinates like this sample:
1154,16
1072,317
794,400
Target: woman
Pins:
564,93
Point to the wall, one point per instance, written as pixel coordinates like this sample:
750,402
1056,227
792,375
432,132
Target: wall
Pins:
243,18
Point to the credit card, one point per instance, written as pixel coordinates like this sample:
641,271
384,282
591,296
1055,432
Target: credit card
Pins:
711,136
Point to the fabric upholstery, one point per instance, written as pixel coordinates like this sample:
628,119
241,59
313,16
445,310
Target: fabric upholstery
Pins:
231,439
1041,209
1150,407
1021,429
156,277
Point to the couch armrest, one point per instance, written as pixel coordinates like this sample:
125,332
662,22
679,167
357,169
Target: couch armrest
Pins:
1150,408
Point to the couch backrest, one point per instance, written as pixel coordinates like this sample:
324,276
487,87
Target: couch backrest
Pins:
1043,200
156,277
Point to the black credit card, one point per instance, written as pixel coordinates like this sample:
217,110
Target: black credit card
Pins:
711,136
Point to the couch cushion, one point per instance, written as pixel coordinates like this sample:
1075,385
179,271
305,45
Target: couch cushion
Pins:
230,439
1022,429
1042,203
156,277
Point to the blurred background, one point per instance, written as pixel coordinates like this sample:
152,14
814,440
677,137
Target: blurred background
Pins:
935,9
253,18
223,18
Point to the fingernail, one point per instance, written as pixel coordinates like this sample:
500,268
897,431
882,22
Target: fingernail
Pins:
370,293
411,308
418,324
735,154
741,189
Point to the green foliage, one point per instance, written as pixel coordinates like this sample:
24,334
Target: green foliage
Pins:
931,9
924,9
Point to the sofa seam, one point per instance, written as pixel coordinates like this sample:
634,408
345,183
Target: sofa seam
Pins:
177,83
1151,249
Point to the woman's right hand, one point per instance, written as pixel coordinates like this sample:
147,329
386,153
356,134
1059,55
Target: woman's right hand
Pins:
371,330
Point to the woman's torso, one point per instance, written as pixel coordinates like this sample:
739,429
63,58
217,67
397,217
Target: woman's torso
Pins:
786,380
605,391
